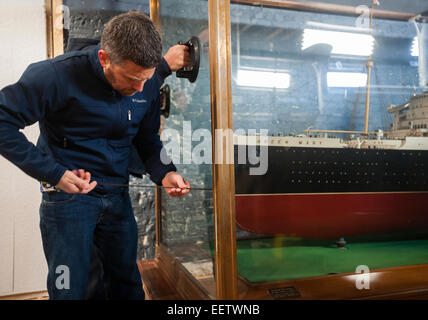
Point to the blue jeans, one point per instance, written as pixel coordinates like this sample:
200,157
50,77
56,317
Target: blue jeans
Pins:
71,224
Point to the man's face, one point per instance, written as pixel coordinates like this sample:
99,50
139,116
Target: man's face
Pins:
127,78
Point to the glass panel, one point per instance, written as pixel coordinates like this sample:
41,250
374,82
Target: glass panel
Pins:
318,192
187,223
86,19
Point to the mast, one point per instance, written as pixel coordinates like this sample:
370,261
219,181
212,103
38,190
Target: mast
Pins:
369,66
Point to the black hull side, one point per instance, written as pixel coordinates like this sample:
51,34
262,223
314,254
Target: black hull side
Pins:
334,170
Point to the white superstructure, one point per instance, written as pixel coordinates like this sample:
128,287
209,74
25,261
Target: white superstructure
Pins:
409,132
413,115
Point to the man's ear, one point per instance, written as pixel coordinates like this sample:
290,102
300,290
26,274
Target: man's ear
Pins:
104,58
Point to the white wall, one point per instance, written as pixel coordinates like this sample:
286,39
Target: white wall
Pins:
22,264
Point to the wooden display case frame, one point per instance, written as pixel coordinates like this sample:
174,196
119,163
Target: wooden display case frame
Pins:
54,30
165,277
165,271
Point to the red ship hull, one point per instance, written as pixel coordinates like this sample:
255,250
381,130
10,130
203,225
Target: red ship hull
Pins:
332,216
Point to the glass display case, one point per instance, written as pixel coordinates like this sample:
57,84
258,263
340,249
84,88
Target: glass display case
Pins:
328,104
186,223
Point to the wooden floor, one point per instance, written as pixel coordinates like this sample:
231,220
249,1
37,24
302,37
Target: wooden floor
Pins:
155,285
40,295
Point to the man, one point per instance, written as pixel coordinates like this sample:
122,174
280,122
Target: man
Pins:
91,109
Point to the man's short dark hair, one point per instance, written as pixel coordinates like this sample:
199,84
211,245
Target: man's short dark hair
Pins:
132,36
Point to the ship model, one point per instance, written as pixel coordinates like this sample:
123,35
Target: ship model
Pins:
323,187
318,186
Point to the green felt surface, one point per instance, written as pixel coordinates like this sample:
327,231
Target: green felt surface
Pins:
282,258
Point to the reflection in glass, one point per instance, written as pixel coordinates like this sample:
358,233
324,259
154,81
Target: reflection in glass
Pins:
187,223
346,79
264,79
348,43
415,47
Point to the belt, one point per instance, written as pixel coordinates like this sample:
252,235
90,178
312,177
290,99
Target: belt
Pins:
47,187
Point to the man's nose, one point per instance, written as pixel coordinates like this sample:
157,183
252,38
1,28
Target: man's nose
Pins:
139,85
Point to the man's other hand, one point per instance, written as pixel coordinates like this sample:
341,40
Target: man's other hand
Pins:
76,181
175,185
177,57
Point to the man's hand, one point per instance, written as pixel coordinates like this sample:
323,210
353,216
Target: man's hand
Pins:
76,181
175,185
177,57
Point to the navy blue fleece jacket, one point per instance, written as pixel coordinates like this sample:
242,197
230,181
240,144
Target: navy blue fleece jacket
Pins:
84,123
